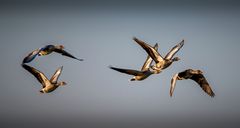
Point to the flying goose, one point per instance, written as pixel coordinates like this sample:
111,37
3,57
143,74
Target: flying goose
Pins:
139,75
47,50
161,63
47,85
197,76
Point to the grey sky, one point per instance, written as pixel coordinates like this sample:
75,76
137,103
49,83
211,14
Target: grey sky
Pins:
101,33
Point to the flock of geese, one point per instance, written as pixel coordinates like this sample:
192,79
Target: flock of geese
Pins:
52,84
161,63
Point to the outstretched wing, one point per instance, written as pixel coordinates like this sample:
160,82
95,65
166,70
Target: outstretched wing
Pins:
173,84
65,53
127,71
56,75
174,50
150,50
39,75
31,56
201,80
149,60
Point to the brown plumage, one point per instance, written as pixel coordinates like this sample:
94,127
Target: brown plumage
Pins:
197,76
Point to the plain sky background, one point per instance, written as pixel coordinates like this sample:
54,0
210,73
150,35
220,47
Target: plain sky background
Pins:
101,32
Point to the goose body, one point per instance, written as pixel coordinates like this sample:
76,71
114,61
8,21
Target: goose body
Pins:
47,85
48,49
143,73
161,63
197,76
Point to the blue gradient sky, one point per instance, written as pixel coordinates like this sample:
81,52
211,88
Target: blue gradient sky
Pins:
101,33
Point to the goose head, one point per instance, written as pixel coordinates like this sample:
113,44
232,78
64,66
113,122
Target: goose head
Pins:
62,83
59,46
176,59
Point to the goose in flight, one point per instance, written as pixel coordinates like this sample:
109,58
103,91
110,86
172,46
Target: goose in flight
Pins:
139,75
47,50
197,76
161,63
47,85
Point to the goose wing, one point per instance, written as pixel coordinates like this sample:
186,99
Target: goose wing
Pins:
31,56
127,71
65,53
174,50
56,75
201,80
150,50
173,84
39,75
149,60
